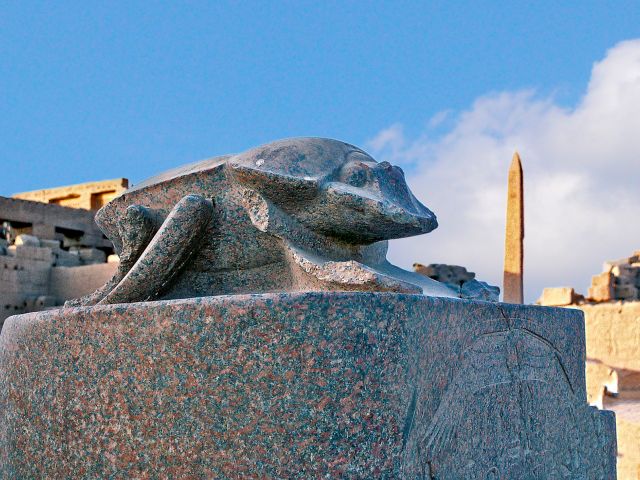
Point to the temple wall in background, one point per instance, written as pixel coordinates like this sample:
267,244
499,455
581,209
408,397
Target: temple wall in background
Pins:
71,226
51,253
39,276
73,282
88,196
612,323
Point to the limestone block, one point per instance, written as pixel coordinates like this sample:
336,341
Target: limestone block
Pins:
609,265
43,254
9,263
601,289
8,287
91,255
627,412
11,303
44,231
10,276
300,385
37,277
27,240
453,274
557,296
604,279
11,299
625,292
73,282
600,294
19,263
52,244
613,333
627,271
63,258
40,302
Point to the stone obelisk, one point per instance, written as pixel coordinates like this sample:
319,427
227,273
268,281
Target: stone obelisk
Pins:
513,246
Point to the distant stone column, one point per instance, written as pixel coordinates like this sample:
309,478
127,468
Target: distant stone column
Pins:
512,286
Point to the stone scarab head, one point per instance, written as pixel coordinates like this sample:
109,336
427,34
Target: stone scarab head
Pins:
335,189
292,215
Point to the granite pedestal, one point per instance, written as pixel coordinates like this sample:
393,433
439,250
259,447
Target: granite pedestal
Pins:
300,385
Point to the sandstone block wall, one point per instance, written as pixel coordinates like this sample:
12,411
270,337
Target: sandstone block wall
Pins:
612,323
73,282
620,280
88,196
73,227
613,344
37,274
613,333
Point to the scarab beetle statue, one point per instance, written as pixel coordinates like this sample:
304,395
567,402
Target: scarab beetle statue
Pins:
293,215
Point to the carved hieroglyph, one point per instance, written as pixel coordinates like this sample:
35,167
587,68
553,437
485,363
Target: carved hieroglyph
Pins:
495,421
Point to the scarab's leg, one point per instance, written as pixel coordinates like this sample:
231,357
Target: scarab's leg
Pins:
136,229
166,254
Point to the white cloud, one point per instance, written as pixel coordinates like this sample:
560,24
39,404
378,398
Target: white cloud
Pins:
582,178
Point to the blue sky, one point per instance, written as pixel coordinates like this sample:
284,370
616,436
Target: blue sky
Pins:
96,90
93,90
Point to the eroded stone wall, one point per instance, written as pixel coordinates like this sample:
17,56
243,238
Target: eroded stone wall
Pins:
87,196
39,274
612,323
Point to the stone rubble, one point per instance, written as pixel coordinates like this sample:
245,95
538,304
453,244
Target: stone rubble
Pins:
459,279
619,280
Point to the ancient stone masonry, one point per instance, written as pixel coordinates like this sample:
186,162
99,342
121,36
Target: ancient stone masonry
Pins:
612,321
48,254
255,329
71,226
38,274
620,280
459,279
88,196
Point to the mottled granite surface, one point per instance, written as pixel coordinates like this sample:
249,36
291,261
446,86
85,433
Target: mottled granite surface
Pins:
300,214
300,385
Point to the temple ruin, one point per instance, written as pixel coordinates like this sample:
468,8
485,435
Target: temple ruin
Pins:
88,196
612,321
255,329
51,252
